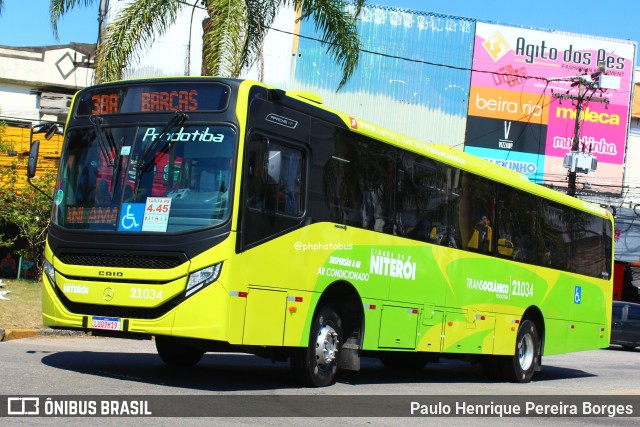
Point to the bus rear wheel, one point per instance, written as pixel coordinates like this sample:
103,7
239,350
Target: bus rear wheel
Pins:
316,365
522,365
175,352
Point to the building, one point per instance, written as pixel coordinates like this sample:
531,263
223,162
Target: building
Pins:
36,86
627,208
627,214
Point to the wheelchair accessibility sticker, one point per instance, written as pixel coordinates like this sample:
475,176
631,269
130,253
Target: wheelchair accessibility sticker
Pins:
131,216
577,295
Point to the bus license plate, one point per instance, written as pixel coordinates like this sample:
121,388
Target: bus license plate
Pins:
107,323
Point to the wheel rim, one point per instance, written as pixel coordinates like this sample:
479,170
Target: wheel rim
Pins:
525,352
326,346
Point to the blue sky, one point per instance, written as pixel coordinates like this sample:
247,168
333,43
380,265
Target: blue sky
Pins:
26,22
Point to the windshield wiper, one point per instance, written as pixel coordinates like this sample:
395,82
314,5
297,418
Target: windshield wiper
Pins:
116,169
106,146
161,143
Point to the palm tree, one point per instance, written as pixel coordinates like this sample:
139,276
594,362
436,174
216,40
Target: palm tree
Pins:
233,33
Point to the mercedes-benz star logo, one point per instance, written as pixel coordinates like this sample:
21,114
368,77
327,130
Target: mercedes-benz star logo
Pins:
108,294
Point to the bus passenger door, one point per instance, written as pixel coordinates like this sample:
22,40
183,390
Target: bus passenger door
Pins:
272,190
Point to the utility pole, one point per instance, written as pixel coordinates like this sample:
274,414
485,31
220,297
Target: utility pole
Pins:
187,59
574,161
102,21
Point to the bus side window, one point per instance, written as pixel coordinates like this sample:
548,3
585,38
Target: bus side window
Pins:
554,235
255,176
586,244
289,177
476,214
358,182
274,178
516,224
425,202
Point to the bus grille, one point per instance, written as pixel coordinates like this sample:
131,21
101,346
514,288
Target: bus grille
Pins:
121,261
117,311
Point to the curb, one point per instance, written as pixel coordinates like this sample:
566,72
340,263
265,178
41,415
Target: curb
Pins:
14,334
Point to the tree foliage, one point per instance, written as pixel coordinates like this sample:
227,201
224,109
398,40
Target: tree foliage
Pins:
4,146
233,33
27,209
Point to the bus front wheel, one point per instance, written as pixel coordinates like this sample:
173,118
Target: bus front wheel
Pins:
522,365
316,365
173,352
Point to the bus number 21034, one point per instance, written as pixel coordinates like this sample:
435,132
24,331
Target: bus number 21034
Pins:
146,293
522,289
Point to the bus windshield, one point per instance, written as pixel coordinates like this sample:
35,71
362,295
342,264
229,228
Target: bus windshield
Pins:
168,177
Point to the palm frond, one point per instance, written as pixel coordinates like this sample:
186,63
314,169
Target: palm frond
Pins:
261,15
57,8
133,29
224,37
338,29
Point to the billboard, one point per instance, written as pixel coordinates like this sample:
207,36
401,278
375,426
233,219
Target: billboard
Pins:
520,108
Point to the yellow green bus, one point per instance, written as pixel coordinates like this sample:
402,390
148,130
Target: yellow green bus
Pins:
219,215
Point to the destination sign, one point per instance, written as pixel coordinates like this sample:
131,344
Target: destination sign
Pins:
151,98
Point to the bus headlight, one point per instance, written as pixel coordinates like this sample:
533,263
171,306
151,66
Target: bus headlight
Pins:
50,272
201,278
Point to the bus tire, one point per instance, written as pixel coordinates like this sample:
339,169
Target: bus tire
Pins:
522,365
316,365
175,353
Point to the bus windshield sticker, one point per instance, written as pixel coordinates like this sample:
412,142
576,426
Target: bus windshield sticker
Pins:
156,214
131,216
59,197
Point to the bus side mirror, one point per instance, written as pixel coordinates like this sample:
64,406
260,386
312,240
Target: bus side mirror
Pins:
31,166
51,130
48,128
33,159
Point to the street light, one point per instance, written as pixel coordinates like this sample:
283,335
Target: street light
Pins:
187,59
